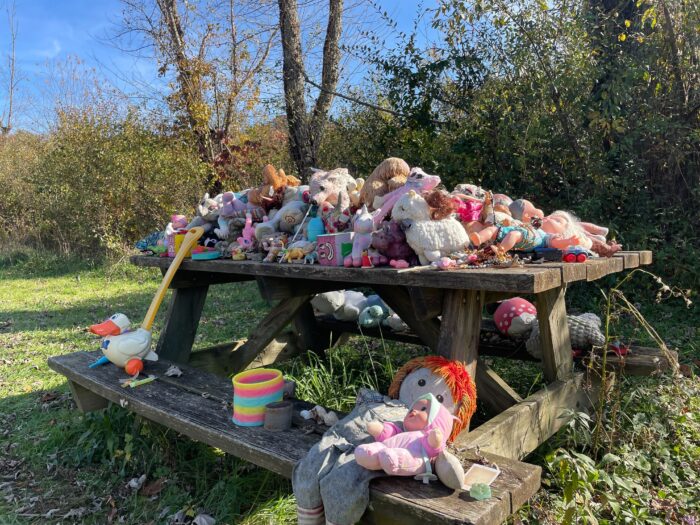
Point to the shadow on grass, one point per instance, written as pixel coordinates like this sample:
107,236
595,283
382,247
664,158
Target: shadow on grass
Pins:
71,467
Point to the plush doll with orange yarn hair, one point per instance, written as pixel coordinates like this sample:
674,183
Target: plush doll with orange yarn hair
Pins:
330,486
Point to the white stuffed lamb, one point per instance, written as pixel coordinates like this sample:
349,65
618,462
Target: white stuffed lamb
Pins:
430,239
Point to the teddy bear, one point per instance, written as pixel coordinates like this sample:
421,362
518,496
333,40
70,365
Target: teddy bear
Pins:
271,193
432,231
390,174
389,244
417,180
330,191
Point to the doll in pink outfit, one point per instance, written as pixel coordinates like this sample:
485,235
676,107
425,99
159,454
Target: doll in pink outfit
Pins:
409,450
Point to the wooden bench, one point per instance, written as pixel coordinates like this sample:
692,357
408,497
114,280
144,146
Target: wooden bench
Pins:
444,312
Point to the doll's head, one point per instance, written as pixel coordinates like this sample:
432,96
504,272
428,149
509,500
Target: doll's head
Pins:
418,416
178,221
448,381
524,210
426,413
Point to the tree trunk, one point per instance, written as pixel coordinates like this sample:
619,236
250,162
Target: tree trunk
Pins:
306,130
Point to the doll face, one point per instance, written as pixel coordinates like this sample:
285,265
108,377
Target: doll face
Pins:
417,417
554,224
422,381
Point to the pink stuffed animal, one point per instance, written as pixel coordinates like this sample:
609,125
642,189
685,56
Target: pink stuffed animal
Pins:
406,451
418,181
361,240
246,241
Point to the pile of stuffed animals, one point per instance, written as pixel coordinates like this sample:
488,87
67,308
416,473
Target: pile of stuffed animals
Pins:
398,217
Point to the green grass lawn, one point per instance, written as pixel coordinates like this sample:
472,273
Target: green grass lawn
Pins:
58,466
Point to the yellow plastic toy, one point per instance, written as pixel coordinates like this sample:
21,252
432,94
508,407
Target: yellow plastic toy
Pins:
129,349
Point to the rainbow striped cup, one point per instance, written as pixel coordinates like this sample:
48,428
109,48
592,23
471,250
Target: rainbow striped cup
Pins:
252,390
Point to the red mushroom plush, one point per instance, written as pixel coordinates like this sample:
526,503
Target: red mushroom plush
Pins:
515,317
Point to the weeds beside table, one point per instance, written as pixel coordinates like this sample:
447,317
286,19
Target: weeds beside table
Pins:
444,312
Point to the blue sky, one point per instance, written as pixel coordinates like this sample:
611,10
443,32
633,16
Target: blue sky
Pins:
52,31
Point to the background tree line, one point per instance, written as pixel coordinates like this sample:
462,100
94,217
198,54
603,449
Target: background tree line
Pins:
591,106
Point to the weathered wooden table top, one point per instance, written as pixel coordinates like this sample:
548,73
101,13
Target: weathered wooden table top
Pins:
531,278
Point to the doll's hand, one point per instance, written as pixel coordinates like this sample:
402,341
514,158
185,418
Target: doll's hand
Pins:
374,428
435,437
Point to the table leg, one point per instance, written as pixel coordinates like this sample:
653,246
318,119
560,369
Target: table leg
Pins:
182,320
399,300
554,335
460,327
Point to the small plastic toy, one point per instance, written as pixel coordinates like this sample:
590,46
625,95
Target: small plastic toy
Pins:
128,349
574,254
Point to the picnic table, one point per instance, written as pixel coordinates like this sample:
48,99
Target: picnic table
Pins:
443,310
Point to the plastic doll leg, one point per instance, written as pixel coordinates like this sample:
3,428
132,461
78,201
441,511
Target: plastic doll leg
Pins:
510,240
367,455
400,462
478,238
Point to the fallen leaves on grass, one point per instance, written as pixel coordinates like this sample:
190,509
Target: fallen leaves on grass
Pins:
136,483
154,488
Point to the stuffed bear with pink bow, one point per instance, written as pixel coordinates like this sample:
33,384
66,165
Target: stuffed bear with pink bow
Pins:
408,451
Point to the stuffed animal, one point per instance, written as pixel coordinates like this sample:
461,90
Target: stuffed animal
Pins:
355,200
584,330
431,236
372,316
233,215
207,212
389,242
320,479
407,450
344,305
388,176
271,193
246,239
417,180
362,227
515,317
330,191
274,245
285,220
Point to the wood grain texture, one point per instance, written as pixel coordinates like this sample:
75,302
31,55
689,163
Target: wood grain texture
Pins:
85,400
520,429
460,327
521,280
640,361
261,336
398,299
645,257
631,259
557,360
493,390
188,279
427,302
197,405
274,289
181,323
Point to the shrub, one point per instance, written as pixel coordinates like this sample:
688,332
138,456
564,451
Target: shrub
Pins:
103,181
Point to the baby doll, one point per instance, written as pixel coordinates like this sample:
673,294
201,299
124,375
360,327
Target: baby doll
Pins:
408,451
524,211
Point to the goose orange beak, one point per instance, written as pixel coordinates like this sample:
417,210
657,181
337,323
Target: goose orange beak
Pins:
106,328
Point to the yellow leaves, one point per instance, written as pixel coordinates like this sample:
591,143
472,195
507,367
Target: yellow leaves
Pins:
622,37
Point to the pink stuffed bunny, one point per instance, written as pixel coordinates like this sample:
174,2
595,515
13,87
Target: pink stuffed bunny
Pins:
408,451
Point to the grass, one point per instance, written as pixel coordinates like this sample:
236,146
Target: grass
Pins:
57,465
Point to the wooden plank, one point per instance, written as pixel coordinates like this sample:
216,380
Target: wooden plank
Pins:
494,391
519,280
639,362
189,413
570,272
261,336
188,279
85,400
460,327
427,302
495,297
520,429
274,289
179,403
602,266
631,259
181,323
557,359
645,257
397,299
